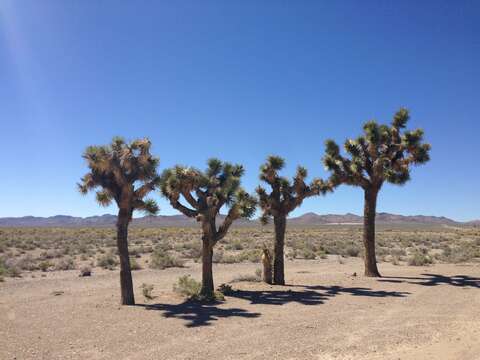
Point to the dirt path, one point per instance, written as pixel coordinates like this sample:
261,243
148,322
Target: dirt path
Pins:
324,313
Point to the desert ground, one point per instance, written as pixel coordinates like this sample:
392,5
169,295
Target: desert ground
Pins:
328,310
324,313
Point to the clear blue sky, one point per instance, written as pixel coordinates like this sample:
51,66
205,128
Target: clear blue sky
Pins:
237,80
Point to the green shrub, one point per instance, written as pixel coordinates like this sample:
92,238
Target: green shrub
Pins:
161,260
187,286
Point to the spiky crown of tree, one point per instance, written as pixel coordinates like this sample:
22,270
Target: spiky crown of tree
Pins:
116,169
206,192
285,195
383,153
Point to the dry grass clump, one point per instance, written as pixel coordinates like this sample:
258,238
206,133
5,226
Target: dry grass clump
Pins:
147,291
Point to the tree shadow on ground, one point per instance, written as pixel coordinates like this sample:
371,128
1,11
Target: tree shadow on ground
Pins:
435,279
359,291
202,314
197,313
309,296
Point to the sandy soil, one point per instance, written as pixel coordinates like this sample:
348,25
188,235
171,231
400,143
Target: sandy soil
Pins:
324,313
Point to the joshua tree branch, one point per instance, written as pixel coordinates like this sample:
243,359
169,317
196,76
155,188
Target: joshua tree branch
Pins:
190,199
227,222
183,209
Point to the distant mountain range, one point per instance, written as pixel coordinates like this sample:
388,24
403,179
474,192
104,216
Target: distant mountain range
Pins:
308,219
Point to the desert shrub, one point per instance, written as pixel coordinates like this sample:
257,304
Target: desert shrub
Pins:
308,254
231,259
161,260
45,265
218,257
257,277
27,263
398,252
147,249
251,255
192,249
395,260
14,271
3,269
235,245
352,251
8,267
162,247
190,288
462,253
419,258
147,290
134,252
65,264
134,265
85,271
187,286
225,289
107,261
322,254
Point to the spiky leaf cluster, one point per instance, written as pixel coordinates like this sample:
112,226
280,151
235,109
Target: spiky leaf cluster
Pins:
286,195
382,153
122,172
201,194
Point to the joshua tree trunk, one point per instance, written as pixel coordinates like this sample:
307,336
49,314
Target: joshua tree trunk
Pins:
280,223
207,275
126,283
369,214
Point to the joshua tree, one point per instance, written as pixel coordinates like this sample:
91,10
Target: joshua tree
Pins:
204,194
382,153
283,199
124,173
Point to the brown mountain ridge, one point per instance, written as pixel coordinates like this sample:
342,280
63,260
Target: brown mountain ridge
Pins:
307,219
